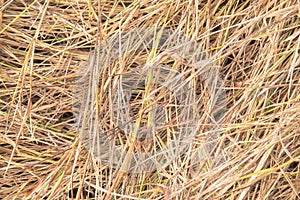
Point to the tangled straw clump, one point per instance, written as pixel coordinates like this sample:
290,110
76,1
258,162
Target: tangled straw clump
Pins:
253,45
156,103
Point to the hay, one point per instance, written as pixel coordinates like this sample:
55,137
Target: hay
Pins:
254,46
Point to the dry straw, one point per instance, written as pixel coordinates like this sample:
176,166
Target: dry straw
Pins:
254,46
139,96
